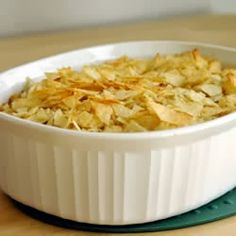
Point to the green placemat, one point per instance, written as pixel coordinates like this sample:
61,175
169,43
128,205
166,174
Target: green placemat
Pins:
220,208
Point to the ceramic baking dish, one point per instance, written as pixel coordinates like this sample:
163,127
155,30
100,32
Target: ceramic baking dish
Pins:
108,178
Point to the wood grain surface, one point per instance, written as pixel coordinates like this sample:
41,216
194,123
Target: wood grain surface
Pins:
18,50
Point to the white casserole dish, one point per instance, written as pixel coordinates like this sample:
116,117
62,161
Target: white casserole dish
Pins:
108,178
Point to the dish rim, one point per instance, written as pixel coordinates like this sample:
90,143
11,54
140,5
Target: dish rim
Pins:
190,129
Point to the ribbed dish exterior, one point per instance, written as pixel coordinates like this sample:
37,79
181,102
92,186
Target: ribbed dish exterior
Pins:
115,187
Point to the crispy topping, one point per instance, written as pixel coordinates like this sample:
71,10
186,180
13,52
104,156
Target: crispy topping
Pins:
130,95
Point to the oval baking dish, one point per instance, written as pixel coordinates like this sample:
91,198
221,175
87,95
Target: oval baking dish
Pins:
114,178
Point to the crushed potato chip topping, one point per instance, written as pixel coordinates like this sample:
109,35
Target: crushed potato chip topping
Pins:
130,95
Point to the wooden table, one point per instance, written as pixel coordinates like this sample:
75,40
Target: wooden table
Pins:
18,50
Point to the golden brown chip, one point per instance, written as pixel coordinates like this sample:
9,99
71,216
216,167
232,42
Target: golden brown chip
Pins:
201,62
210,89
59,119
85,119
133,126
192,108
229,85
70,101
169,115
174,78
215,67
147,120
122,111
103,112
91,72
113,128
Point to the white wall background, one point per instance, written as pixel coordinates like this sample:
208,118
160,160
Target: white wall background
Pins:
23,16
223,6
